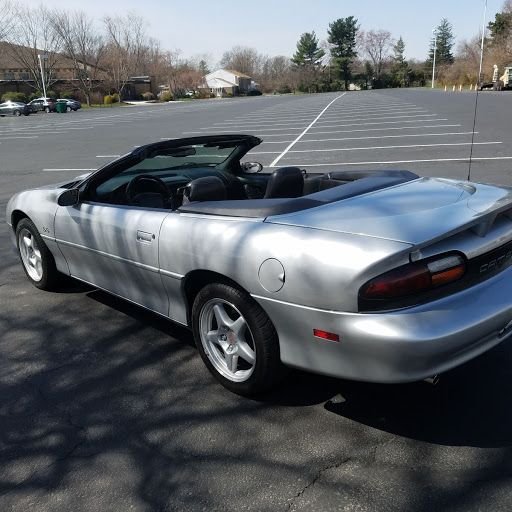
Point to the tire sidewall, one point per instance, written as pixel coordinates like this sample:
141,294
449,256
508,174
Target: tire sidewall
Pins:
265,348
47,262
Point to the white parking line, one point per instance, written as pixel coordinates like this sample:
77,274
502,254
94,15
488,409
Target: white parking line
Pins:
74,170
379,147
402,135
333,113
306,130
21,137
294,123
426,160
371,129
108,156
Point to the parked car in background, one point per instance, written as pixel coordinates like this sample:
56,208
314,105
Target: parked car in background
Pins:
14,108
45,104
70,104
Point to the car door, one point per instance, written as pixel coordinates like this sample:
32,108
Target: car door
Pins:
114,247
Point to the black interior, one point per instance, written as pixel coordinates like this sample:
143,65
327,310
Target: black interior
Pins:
234,193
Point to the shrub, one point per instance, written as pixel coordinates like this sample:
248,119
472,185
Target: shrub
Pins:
14,96
166,96
67,95
51,94
115,98
108,99
35,95
147,96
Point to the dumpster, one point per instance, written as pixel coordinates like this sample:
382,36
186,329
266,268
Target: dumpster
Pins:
61,107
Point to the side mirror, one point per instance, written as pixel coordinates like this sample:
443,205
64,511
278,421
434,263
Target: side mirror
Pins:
252,167
69,197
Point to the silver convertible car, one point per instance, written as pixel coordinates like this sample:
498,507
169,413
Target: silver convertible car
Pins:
379,276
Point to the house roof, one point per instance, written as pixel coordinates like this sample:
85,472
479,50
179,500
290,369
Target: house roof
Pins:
237,73
215,81
231,71
9,57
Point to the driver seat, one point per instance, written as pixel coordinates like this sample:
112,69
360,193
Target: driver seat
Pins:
285,182
208,188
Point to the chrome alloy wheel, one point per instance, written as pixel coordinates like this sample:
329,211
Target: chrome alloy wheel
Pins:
30,254
227,340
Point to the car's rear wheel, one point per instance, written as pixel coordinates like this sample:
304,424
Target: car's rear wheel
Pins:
236,339
36,258
68,109
47,110
16,113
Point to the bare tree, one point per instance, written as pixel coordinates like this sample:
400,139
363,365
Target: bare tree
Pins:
84,46
34,35
377,44
125,49
6,18
242,58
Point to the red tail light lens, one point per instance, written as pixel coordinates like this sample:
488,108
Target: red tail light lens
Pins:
414,278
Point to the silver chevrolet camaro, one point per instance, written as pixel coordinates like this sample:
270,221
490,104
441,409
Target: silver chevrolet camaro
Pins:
379,276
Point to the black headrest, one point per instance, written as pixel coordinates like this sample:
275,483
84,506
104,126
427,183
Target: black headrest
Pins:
209,188
285,182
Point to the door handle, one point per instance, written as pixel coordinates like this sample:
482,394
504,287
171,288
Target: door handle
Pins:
143,236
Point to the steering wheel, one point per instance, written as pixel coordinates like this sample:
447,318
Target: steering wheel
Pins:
156,183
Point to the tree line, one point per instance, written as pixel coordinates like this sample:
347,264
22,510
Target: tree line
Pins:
116,48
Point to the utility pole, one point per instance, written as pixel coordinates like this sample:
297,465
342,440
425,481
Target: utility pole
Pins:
434,32
44,57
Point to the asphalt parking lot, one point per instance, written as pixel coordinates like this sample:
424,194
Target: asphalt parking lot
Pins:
106,407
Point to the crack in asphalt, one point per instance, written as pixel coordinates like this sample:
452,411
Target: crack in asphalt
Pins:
371,452
317,476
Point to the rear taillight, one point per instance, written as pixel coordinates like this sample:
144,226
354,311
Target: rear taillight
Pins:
411,280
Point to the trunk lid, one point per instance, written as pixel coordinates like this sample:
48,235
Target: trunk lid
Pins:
418,212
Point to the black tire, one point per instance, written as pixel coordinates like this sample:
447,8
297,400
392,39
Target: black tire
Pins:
260,333
47,110
16,113
68,109
50,275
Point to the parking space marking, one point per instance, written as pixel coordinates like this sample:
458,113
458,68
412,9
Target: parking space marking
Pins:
73,170
239,124
371,148
424,160
108,156
306,130
21,137
370,129
287,117
376,137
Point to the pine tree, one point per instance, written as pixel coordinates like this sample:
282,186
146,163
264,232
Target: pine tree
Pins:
445,42
203,67
342,36
400,66
308,51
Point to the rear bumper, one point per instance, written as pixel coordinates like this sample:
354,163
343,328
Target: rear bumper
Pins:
401,346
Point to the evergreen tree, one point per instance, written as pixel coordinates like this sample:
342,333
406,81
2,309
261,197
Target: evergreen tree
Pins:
445,42
203,67
308,51
342,36
501,28
400,66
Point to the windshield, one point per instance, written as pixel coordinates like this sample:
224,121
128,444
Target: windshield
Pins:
175,165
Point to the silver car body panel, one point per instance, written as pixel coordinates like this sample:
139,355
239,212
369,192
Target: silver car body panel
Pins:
305,269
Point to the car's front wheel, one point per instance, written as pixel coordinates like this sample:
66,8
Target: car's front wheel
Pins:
236,339
68,109
47,110
17,113
36,258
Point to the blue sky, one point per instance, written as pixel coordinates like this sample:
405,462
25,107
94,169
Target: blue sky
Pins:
274,26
